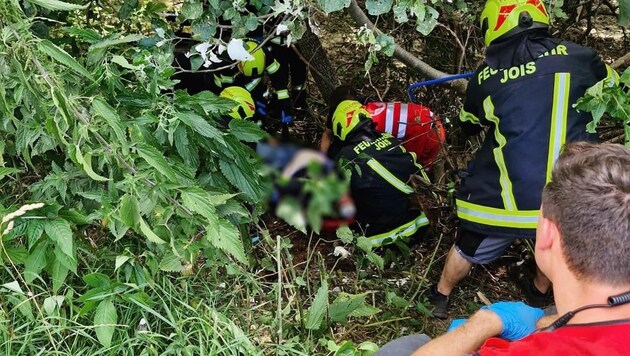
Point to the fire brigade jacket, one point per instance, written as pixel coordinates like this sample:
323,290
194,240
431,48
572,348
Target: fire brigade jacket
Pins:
528,108
380,169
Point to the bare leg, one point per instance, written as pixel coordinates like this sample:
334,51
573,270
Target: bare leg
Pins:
455,269
541,282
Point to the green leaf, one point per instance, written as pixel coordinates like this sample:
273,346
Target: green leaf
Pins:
246,131
105,319
429,22
156,159
102,109
345,234
59,274
624,13
86,163
115,40
378,7
129,210
399,302
60,233
192,9
171,263
35,261
121,260
200,125
5,171
63,57
57,5
386,43
198,201
14,287
127,8
241,177
329,6
343,306
317,310
290,210
96,280
146,230
226,237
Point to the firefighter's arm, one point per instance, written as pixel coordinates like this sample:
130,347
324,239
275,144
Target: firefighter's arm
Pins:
280,81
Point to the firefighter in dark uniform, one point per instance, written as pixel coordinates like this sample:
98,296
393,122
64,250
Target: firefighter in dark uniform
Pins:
250,75
524,93
380,170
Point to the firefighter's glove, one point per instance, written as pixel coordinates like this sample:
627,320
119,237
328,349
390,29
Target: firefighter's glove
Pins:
261,108
286,117
518,319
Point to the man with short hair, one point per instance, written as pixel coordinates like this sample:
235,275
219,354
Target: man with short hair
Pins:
582,245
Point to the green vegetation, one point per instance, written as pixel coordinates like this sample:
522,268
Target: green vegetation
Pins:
126,212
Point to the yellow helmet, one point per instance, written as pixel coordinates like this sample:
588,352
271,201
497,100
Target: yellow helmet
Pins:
504,18
256,66
347,117
245,108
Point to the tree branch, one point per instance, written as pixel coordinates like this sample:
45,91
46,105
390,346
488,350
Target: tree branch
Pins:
402,54
621,61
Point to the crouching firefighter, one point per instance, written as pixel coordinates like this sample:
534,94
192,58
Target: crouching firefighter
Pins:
380,169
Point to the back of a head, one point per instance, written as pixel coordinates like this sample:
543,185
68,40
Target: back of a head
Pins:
502,19
588,198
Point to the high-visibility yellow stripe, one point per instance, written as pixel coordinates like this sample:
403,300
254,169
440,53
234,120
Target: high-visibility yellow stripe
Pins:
389,177
273,67
466,116
559,112
282,94
251,85
227,79
403,231
504,179
524,219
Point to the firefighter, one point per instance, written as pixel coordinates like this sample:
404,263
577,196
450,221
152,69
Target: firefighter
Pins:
380,171
250,75
524,93
419,129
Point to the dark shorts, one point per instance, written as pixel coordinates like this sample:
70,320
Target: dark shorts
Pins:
481,248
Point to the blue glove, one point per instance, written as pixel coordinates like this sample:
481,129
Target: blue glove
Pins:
517,318
261,108
455,324
286,118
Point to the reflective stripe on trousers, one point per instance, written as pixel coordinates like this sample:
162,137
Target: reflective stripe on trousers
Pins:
523,219
405,230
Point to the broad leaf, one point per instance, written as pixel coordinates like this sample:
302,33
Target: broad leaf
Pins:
14,287
624,13
59,274
200,125
57,5
150,235
105,319
246,131
329,6
129,210
59,231
156,159
5,171
198,201
102,109
225,236
378,7
63,57
318,309
35,261
192,9
115,40
242,177
171,263
343,306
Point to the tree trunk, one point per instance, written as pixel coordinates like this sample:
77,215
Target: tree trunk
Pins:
317,60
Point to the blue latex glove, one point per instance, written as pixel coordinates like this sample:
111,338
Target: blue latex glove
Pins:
286,118
455,324
261,108
518,319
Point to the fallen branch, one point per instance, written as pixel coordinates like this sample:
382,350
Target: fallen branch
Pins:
621,61
402,54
